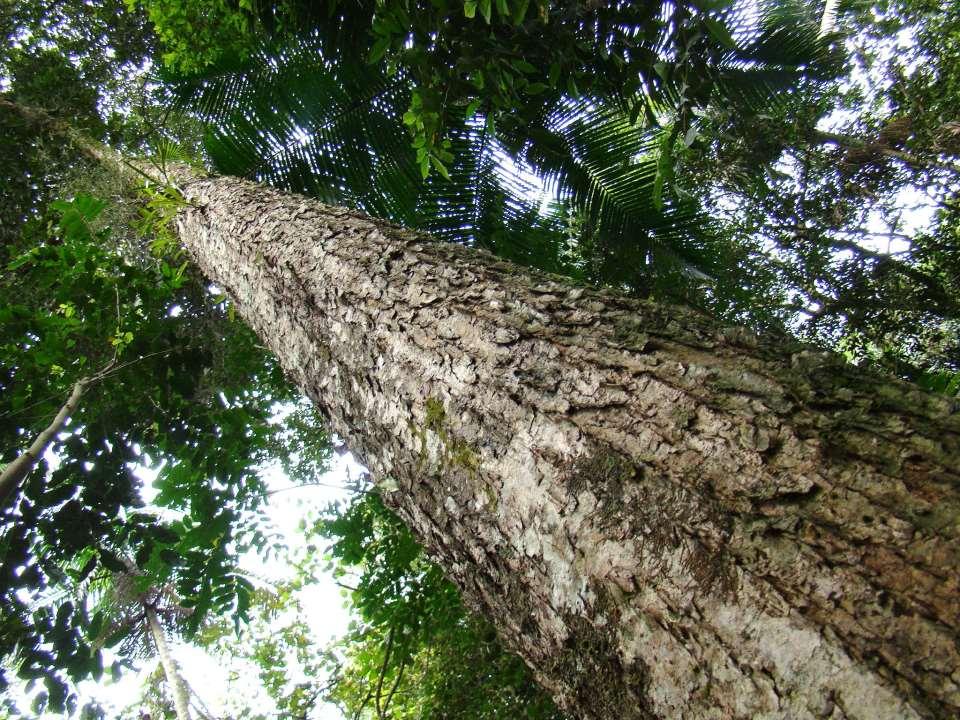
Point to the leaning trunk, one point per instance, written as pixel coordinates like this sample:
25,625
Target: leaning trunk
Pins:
17,471
181,698
664,517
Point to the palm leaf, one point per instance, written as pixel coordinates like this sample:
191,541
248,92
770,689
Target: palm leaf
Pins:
334,130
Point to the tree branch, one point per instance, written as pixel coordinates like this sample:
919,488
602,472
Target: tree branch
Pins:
15,473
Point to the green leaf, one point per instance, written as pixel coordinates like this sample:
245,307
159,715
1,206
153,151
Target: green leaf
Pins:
39,703
378,50
524,67
23,259
89,206
719,32
520,11
664,168
64,614
117,636
58,693
87,568
711,5
440,167
95,626
470,8
554,76
485,9
112,562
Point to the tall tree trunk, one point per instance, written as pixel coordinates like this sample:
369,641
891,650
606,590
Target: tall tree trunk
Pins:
181,698
664,517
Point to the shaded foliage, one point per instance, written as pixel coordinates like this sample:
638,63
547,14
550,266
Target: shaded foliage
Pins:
191,393
689,151
853,185
416,651
573,178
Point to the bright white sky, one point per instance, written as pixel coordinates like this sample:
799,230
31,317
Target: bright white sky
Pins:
225,687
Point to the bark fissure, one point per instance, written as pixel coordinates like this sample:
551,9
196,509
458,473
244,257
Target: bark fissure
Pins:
714,524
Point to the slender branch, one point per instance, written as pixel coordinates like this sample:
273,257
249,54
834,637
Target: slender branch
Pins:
15,473
383,672
855,143
122,366
99,376
177,687
356,715
307,485
396,684
197,702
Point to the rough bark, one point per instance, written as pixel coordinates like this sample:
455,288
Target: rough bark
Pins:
181,697
664,517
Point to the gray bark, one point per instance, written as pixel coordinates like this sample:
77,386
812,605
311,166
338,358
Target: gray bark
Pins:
664,517
181,697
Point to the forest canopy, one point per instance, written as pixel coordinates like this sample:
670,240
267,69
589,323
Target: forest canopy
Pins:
779,165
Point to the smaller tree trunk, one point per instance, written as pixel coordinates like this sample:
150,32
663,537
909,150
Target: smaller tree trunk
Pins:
828,21
181,696
16,472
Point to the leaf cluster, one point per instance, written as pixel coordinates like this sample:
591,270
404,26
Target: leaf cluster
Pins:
188,392
578,179
415,651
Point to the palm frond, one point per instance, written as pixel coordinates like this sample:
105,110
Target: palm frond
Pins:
298,122
583,187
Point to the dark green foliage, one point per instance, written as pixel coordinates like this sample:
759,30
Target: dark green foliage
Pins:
683,153
73,60
860,269
304,119
510,59
101,37
188,388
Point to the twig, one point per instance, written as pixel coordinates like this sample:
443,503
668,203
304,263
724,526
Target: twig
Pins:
396,684
383,672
